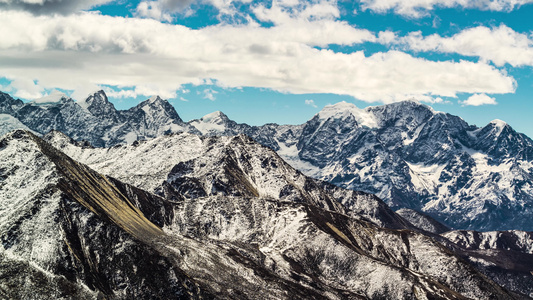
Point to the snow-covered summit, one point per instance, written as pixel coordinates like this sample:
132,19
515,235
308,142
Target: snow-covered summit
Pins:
498,125
215,117
154,99
213,123
343,110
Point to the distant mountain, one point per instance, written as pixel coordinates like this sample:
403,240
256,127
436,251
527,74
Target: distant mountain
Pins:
232,221
414,157
95,119
406,153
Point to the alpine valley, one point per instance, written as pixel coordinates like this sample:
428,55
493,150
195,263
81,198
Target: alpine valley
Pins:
98,203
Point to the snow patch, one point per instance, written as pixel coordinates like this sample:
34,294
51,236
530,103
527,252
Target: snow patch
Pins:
499,125
153,99
290,155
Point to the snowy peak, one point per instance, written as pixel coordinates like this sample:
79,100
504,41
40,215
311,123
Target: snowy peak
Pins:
99,106
213,123
409,114
344,110
498,126
156,107
216,117
154,99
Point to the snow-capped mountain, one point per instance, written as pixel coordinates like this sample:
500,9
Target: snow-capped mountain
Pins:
251,227
406,153
184,165
414,157
95,119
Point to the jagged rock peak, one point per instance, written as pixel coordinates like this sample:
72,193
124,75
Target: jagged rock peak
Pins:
156,107
99,106
97,98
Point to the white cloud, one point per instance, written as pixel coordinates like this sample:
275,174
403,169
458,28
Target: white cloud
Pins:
311,103
478,100
283,12
210,94
26,88
85,51
165,10
500,45
422,8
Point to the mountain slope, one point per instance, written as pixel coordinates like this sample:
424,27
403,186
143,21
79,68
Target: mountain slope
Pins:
9,123
188,166
233,191
56,247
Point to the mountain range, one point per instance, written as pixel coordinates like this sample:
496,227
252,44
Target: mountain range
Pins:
184,216
406,153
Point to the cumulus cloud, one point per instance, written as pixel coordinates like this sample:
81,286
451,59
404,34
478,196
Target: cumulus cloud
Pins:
26,88
422,8
311,103
165,10
500,45
162,10
86,51
210,94
40,7
479,99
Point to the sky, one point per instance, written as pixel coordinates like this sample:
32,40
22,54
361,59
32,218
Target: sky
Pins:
276,61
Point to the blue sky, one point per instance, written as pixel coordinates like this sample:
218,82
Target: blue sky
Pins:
276,61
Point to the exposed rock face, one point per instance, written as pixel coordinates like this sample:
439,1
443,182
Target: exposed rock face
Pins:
74,232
